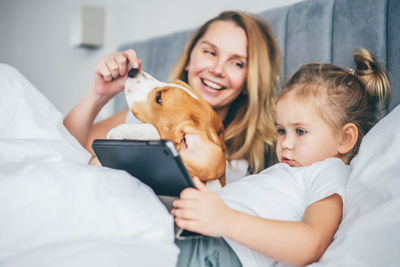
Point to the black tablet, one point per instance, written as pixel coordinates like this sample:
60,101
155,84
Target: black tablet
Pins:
155,163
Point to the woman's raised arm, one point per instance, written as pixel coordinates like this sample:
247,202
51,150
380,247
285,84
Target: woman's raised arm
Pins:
110,74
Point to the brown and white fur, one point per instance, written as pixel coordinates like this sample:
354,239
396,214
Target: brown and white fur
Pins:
176,112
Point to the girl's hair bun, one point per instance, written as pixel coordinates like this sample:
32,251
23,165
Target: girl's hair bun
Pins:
372,76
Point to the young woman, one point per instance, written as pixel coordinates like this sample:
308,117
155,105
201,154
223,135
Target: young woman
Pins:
233,60
290,211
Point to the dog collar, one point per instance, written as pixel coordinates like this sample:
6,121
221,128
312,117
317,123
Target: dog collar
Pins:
183,88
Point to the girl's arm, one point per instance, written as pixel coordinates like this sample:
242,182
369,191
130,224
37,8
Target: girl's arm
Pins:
294,243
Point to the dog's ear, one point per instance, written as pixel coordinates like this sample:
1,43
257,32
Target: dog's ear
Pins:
219,127
221,136
217,123
196,152
216,132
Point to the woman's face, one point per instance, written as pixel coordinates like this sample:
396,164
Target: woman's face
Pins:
217,68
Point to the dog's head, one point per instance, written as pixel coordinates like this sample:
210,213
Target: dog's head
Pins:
180,114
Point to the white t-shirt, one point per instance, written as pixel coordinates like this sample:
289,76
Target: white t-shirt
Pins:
236,170
282,192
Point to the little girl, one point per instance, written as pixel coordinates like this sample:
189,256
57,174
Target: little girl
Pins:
289,213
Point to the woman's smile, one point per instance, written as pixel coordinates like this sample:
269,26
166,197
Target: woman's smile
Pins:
212,84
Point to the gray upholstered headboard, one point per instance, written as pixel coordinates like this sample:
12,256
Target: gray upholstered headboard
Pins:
313,30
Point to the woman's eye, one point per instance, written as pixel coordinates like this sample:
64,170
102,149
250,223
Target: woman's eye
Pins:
158,97
210,52
281,131
300,132
239,64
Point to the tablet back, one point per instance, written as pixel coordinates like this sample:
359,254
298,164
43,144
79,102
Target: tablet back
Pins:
155,163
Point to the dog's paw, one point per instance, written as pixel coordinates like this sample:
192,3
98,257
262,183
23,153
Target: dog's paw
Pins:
142,131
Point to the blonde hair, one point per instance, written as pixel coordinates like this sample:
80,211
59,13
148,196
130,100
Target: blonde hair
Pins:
344,96
250,131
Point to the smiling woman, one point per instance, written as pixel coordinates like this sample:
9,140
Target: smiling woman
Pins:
225,62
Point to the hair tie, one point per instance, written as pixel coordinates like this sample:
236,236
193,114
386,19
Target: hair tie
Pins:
351,72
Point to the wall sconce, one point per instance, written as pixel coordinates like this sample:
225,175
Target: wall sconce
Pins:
87,27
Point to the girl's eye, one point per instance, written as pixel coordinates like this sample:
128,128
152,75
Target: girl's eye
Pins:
281,131
300,131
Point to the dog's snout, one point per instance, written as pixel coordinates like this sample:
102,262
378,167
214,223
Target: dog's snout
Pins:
133,72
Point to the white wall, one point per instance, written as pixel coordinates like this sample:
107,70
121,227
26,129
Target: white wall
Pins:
35,36
35,39
154,17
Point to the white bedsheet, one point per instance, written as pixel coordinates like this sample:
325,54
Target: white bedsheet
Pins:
55,210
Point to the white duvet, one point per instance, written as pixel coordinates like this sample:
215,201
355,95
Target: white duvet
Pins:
55,210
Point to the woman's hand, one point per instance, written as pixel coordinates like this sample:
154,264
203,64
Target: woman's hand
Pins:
110,75
94,161
201,211
111,71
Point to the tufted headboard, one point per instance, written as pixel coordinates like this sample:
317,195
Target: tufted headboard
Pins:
314,30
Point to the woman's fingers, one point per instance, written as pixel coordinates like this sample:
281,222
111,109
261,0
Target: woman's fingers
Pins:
130,54
116,64
104,72
122,62
113,69
112,63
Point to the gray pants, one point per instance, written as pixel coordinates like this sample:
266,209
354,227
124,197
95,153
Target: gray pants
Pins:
206,251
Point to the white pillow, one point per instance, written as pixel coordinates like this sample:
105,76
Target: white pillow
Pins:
369,234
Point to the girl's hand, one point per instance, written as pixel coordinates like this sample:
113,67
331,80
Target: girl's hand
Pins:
111,72
201,211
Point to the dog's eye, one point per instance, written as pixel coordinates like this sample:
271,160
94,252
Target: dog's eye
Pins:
158,98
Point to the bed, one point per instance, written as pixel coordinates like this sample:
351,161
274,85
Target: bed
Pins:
57,211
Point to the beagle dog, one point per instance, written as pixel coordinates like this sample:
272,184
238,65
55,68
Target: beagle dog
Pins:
176,112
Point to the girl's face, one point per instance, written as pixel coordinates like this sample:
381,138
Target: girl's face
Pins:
217,68
303,136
